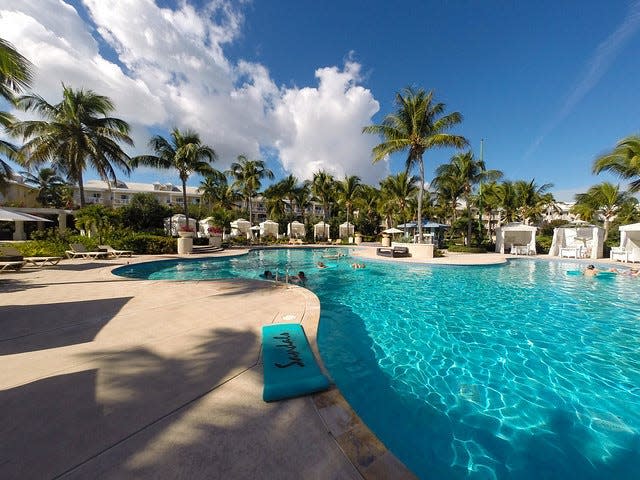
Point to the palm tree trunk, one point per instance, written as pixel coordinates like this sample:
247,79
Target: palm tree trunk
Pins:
81,189
184,203
249,208
420,193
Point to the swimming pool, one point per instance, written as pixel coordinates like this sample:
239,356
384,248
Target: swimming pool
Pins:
514,371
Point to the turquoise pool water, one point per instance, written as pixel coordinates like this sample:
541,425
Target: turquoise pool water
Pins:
517,371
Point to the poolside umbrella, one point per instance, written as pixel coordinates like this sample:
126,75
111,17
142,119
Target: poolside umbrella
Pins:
392,230
13,216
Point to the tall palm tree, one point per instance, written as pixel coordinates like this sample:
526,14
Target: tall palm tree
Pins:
248,176
488,196
508,201
419,124
467,172
532,199
399,189
623,160
323,188
605,199
348,190
183,152
216,191
15,76
75,133
50,185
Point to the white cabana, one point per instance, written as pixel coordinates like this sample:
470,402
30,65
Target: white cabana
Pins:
203,226
173,223
516,238
346,230
629,249
321,231
240,228
296,230
269,228
579,241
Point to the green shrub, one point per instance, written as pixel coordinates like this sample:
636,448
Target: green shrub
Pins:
145,243
465,249
543,243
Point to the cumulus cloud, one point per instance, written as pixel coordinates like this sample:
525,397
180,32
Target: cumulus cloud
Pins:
167,67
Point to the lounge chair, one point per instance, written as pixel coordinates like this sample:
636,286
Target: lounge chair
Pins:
8,251
394,252
78,250
112,252
11,265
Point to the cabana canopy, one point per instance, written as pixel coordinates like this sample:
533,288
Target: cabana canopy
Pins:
629,249
295,229
516,238
241,227
346,230
578,241
321,231
173,223
269,228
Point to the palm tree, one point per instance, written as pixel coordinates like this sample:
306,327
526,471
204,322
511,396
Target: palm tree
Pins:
76,133
183,152
508,201
466,172
323,187
248,175
348,190
623,160
532,199
15,76
419,124
399,189
216,191
489,198
50,186
605,199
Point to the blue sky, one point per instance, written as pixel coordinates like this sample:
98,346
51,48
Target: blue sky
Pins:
548,85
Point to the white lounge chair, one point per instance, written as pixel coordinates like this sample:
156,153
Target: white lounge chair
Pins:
78,250
626,255
114,252
12,265
35,261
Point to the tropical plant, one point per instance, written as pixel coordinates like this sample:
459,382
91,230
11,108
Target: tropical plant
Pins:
399,189
144,212
367,203
489,199
51,187
623,160
465,172
419,124
248,176
323,188
76,133
183,152
507,201
605,199
15,76
532,200
217,192
348,190
95,219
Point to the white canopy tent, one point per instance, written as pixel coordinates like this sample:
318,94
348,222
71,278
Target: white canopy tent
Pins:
321,231
173,223
203,226
269,228
241,227
346,229
517,238
577,241
295,230
629,249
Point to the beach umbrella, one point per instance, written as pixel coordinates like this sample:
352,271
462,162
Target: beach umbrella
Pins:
392,230
13,216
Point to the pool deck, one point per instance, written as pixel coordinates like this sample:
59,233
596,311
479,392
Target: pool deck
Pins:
107,377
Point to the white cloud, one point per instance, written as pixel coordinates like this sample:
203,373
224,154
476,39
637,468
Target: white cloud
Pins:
321,127
171,70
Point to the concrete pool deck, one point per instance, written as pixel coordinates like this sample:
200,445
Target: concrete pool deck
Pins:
107,377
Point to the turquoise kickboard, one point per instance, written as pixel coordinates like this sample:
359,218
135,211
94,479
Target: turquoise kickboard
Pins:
290,369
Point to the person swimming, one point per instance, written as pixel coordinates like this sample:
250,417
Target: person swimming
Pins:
590,271
358,265
321,265
268,275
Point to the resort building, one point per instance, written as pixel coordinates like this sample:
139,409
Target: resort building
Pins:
116,194
16,193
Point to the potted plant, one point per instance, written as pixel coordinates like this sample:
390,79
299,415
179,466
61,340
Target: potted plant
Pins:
185,231
358,236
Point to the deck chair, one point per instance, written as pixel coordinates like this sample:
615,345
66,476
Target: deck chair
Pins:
78,250
112,252
11,265
9,251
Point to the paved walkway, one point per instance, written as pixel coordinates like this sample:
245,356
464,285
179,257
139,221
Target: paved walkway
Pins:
105,377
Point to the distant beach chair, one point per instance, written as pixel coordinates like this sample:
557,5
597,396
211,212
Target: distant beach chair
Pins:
11,265
114,252
78,250
9,251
